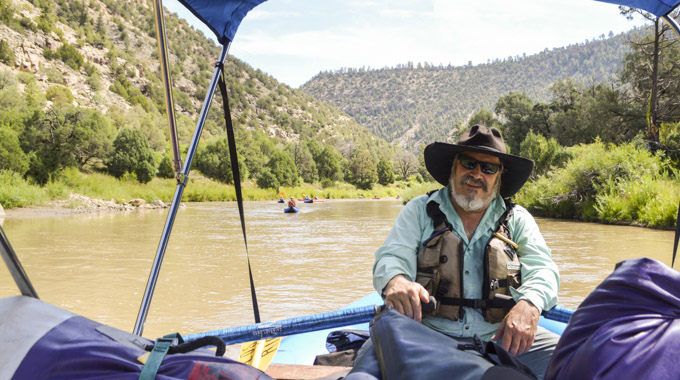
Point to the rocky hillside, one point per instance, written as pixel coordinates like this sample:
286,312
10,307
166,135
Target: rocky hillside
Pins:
116,64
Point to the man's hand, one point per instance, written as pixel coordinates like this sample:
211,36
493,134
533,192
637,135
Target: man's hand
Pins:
405,296
518,328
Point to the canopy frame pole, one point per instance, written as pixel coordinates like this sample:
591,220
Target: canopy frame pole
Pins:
155,269
14,265
670,21
167,85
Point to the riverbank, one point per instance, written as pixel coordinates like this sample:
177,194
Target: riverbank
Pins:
76,192
79,204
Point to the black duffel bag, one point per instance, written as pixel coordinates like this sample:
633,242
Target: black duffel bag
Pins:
406,349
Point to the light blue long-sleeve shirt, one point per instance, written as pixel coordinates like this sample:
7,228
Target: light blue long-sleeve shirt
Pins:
398,255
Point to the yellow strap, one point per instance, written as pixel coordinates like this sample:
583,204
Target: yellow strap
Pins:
512,243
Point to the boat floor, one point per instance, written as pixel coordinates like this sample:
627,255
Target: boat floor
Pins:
306,372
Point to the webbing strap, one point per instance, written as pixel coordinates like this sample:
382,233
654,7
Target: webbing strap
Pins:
501,303
237,184
677,237
160,349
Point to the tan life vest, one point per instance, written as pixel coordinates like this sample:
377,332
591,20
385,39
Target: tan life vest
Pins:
440,270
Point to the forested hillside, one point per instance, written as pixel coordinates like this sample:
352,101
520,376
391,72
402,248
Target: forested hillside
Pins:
79,87
414,104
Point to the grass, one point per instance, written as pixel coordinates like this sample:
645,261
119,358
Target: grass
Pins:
15,191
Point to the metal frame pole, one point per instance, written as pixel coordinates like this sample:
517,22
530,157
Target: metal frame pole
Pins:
15,268
167,84
181,184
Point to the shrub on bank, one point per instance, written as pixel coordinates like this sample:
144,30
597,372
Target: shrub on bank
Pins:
606,183
15,191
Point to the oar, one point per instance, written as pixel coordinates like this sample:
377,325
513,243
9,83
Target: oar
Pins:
291,326
316,322
259,353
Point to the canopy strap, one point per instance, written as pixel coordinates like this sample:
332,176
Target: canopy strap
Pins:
677,237
237,181
158,352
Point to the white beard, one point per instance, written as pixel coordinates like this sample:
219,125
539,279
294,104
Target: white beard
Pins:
468,202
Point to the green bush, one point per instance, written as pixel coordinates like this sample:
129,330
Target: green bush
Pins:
132,154
15,191
12,157
214,162
283,168
59,95
6,54
165,168
546,153
606,183
70,56
267,180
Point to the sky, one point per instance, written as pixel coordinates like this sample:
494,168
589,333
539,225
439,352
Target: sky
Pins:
293,40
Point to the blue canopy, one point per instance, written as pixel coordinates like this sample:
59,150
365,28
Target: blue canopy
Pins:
223,17
658,8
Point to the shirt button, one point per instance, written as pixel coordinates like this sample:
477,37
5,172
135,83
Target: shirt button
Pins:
467,272
467,327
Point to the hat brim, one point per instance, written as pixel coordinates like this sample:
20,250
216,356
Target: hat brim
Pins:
516,170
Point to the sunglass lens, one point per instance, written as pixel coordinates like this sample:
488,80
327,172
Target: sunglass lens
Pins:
468,163
486,167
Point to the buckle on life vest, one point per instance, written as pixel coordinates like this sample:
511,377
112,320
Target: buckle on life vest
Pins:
443,288
494,284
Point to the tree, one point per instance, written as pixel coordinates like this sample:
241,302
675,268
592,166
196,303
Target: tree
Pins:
132,154
214,162
282,167
405,164
362,170
11,156
516,110
166,168
328,164
653,72
304,162
385,172
65,137
546,153
267,180
483,117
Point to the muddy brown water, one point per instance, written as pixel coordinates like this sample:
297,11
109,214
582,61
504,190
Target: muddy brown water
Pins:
319,260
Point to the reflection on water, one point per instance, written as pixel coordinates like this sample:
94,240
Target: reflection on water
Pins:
319,260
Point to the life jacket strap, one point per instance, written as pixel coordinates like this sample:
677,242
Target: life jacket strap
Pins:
500,302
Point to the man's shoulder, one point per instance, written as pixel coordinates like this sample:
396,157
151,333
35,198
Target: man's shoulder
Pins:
520,210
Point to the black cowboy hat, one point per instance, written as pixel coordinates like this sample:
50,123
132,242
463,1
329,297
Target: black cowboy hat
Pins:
516,170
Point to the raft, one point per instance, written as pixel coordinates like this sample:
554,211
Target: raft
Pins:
291,210
302,349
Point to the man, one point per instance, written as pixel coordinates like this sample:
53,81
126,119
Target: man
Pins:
478,174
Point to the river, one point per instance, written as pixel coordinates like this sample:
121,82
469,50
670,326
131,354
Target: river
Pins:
319,260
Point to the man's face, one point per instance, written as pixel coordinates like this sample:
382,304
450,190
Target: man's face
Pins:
472,189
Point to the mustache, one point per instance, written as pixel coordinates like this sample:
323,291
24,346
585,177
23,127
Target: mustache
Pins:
476,182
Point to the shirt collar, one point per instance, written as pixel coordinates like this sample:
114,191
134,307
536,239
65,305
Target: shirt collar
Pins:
489,221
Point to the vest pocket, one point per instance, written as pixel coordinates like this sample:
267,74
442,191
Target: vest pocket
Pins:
428,263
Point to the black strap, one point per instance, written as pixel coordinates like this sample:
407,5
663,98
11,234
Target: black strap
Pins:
237,183
183,348
499,302
677,237
509,207
506,360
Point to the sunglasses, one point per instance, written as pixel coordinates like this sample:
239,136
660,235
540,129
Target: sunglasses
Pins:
486,167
